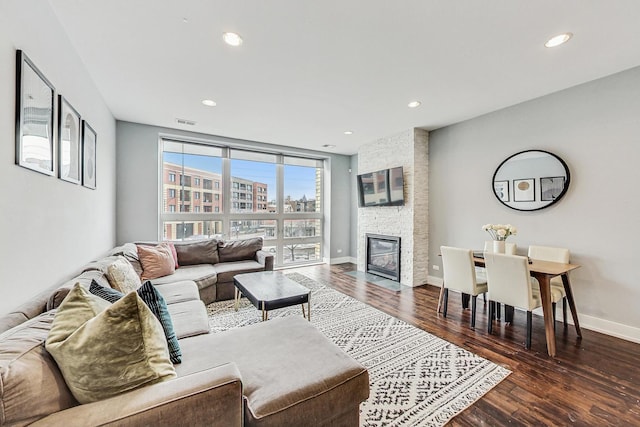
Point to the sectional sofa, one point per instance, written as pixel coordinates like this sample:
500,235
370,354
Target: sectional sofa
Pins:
275,373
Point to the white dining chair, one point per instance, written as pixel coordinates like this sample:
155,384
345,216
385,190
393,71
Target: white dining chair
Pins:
548,253
481,273
459,274
509,249
510,283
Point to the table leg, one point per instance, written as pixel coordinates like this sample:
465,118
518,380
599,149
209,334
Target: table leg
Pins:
303,313
572,303
237,300
265,313
545,294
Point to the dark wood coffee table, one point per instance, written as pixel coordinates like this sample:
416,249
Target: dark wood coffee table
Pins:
269,290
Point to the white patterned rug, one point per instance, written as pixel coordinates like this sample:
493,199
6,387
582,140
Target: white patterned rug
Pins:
417,379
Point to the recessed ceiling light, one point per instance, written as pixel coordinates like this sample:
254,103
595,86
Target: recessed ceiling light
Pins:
209,102
558,40
348,132
414,104
232,39
329,146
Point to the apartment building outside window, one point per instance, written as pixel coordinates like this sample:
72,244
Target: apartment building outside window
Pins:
217,189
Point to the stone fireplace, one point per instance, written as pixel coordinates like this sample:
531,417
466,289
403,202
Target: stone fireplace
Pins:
409,222
383,256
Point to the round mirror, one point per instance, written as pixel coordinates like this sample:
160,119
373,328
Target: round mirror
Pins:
531,180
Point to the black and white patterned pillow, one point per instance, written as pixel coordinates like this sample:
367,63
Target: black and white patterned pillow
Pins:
156,303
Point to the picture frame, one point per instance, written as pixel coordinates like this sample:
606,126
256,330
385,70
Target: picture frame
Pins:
89,141
551,187
524,190
501,188
35,114
69,143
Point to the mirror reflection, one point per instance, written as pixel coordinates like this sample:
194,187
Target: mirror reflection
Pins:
531,180
36,129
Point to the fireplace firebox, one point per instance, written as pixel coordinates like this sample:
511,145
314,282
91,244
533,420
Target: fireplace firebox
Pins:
383,256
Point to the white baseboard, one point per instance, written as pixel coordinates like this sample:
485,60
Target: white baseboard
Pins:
433,280
607,327
603,326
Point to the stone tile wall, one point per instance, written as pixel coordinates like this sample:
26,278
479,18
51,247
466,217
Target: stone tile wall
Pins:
410,222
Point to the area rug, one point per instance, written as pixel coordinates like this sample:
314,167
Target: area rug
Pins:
417,379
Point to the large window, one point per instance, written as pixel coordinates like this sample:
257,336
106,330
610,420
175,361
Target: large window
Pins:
250,171
213,191
192,163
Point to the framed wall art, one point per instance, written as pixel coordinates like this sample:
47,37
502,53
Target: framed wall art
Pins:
69,147
524,190
551,187
501,188
89,139
35,99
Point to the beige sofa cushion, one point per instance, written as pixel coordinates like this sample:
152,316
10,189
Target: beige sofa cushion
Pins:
227,270
203,274
197,252
185,290
189,318
120,349
31,385
239,250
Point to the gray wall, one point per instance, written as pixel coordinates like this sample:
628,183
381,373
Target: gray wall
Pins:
353,238
50,228
595,128
138,174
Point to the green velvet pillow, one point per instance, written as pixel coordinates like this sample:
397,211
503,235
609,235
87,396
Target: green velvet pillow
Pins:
104,350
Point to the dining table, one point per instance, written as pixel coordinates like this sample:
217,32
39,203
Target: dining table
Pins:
544,271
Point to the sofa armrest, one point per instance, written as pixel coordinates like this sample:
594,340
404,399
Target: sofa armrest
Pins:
266,259
212,397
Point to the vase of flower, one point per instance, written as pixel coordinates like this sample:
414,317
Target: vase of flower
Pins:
499,234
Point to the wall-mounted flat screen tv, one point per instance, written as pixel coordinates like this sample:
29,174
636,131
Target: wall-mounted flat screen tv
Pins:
381,188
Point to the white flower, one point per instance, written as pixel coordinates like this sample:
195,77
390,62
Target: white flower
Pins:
500,231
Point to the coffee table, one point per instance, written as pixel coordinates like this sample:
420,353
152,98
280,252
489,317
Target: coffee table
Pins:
269,290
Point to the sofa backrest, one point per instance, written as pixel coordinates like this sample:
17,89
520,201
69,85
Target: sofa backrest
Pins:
197,252
85,279
239,250
31,385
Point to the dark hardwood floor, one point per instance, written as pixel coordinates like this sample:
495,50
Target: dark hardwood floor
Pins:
593,381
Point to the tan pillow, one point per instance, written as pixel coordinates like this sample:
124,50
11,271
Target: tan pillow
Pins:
120,349
122,276
157,261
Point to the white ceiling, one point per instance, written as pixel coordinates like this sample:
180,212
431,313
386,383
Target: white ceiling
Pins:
308,70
